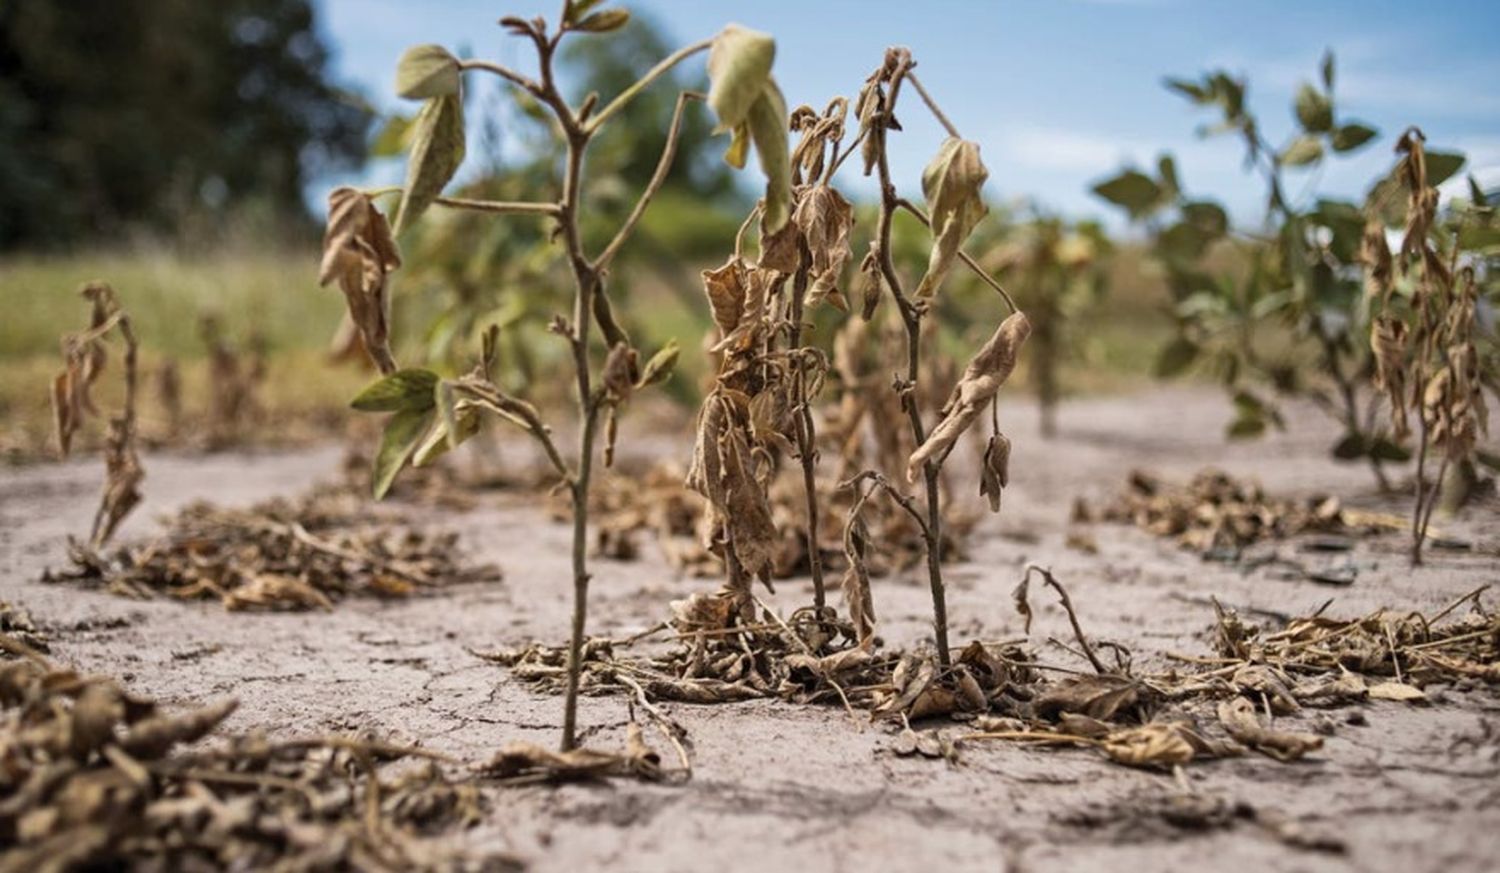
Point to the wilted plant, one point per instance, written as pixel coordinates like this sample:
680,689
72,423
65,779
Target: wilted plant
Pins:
1300,271
84,356
767,378
432,414
1423,333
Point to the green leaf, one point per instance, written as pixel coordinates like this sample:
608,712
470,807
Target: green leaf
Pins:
427,71
604,22
438,442
1305,149
1351,136
402,435
1166,168
1183,241
1383,449
768,130
578,9
403,389
1207,216
1314,112
1175,357
1191,90
660,367
437,150
1351,447
1133,191
952,184
739,68
1327,70
1246,427
1442,165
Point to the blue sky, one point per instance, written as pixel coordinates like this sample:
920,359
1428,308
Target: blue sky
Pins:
1058,93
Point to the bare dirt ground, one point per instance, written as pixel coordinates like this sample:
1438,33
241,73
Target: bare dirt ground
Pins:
778,786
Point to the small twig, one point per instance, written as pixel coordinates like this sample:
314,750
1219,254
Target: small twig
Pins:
663,169
1067,604
640,85
500,206
937,113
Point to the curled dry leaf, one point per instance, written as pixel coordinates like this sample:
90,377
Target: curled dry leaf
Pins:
360,253
1239,719
994,472
951,183
737,296
980,382
722,472
825,219
1158,744
1107,698
527,762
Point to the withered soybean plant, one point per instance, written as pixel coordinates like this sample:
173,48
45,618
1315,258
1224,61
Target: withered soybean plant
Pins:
1424,300
432,414
84,356
766,377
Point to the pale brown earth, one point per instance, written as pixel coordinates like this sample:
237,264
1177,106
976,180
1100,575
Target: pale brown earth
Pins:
780,787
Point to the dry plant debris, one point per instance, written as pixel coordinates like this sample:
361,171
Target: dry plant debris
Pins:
304,553
1223,705
1216,514
95,776
85,356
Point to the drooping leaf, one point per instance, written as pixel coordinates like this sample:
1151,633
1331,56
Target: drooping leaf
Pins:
1351,136
739,68
403,433
1442,165
825,219
403,389
981,381
393,137
952,184
427,71
1314,112
767,121
1304,150
659,367
437,150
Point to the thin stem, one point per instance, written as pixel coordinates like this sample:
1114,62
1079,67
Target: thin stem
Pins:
663,169
937,113
806,435
645,81
499,206
503,72
962,255
911,318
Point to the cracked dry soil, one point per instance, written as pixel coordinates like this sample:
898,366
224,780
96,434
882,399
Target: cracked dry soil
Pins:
784,787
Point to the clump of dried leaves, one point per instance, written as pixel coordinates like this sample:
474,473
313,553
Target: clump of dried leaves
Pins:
1216,514
303,553
96,776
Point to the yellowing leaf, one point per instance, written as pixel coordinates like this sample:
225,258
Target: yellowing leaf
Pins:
739,67
768,130
951,183
403,433
427,71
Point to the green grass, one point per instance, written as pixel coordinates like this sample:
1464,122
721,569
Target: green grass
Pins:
270,293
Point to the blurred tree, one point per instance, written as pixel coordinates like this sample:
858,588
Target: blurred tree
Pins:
121,113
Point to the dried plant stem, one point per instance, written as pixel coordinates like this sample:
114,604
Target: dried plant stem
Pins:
658,178
501,207
652,75
1067,604
911,319
807,442
932,105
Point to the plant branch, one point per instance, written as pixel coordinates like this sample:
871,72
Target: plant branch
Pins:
659,178
807,444
499,206
503,72
656,72
932,105
962,255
